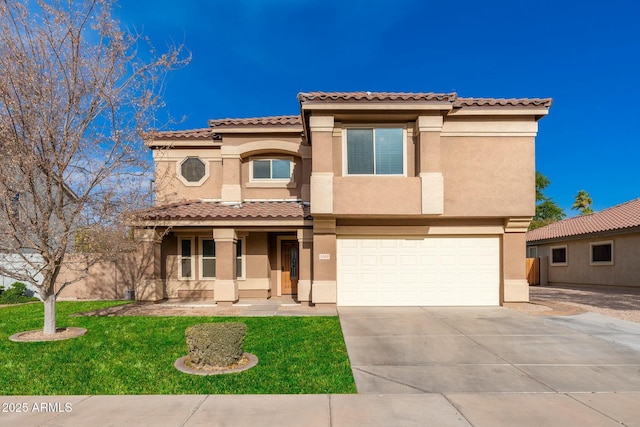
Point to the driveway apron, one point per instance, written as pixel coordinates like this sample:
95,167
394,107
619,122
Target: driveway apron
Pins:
487,350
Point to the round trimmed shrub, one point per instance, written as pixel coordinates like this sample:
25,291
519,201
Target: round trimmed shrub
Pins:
215,344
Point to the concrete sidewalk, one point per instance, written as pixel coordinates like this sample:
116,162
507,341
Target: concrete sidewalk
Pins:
433,409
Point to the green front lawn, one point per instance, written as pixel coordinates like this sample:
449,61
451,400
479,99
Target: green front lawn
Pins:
135,355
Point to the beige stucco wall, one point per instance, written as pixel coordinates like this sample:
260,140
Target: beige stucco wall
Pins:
273,190
170,188
488,176
485,167
377,195
258,274
228,168
625,270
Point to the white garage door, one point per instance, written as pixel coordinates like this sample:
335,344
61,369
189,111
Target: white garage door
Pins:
408,272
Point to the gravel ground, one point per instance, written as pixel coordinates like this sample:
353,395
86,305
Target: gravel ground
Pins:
621,303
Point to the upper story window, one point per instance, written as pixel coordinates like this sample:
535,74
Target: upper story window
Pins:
192,171
375,151
271,169
602,253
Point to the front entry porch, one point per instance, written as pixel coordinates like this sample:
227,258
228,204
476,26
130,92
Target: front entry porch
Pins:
223,265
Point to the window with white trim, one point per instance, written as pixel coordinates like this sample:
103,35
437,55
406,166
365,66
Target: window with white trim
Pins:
240,258
375,151
602,253
271,169
532,252
559,255
207,258
186,265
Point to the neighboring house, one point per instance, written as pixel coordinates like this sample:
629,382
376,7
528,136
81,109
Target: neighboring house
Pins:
385,199
20,217
601,248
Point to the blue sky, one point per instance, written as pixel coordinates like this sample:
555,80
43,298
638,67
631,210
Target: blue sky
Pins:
252,57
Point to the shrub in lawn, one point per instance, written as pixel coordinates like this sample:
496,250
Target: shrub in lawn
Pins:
215,344
15,294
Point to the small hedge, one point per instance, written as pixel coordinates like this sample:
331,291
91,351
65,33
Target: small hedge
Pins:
215,344
15,294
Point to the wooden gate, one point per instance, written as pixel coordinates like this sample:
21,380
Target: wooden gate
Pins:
533,271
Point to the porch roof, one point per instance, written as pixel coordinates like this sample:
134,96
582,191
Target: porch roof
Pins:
210,210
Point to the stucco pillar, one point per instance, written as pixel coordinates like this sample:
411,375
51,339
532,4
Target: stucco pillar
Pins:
324,285
225,288
321,128
231,188
430,168
514,271
306,179
305,244
149,286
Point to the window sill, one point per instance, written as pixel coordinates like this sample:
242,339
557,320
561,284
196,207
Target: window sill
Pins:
271,184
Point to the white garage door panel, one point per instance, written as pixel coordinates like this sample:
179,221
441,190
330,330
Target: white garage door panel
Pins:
409,272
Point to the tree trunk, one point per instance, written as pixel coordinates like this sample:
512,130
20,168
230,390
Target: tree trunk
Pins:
50,315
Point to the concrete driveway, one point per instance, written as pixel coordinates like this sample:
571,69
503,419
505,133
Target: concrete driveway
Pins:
488,349
497,366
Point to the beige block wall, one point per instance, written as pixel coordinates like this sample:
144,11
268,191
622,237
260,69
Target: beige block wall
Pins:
625,270
106,280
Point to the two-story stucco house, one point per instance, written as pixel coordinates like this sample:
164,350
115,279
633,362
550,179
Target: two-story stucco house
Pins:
385,199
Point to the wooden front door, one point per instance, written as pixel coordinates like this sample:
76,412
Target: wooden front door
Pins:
290,268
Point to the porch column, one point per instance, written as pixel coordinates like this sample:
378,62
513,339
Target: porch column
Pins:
428,130
149,285
305,244
225,288
514,271
324,286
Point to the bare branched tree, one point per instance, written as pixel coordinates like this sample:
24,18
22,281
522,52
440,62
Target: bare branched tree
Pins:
76,92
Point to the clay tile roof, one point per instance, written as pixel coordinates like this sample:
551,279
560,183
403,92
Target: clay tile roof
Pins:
375,96
184,134
625,215
198,209
501,102
257,121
